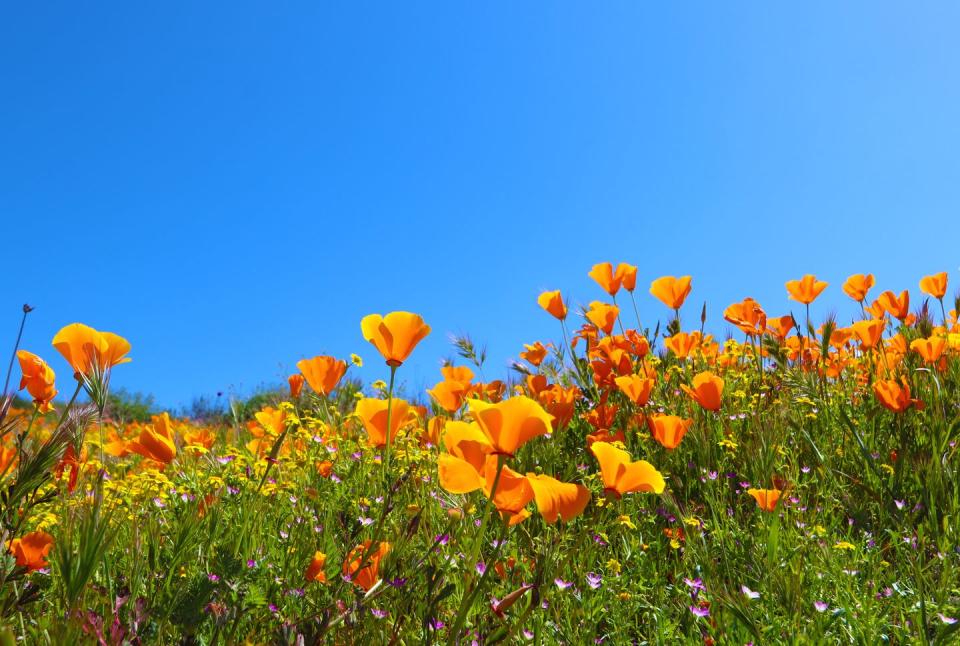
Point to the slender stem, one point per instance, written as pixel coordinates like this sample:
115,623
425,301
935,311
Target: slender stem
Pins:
386,457
16,346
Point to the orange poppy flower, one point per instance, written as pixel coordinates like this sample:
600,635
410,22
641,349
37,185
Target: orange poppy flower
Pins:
273,420
296,382
707,390
668,430
682,344
552,302
671,291
560,403
627,275
806,289
604,275
557,499
893,395
200,437
86,349
930,349
394,335
365,574
935,285
373,413
621,476
315,569
534,354
603,315
449,395
31,550
156,441
323,373
781,326
767,499
748,316
896,307
857,286
511,423
636,388
38,378
869,332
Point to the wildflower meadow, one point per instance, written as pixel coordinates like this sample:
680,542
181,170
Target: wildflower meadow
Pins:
632,480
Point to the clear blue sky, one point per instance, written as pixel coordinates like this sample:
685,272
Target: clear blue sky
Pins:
233,185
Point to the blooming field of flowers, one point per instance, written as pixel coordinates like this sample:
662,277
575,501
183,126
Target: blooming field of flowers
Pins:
632,481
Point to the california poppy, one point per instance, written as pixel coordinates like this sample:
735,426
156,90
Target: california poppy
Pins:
534,354
930,349
682,344
323,373
781,326
557,499
748,316
935,285
156,440
511,423
857,286
31,550
394,335
315,569
38,378
806,289
86,349
869,332
893,395
767,499
603,273
621,475
362,565
552,302
296,382
671,291
373,413
636,388
627,275
603,315
898,307
706,390
668,430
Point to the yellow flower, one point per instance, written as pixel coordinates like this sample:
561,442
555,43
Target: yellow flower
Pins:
614,566
844,545
356,360
625,520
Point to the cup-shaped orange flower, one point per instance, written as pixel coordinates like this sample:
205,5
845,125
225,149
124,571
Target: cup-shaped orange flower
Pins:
373,413
296,382
767,499
362,565
781,326
31,551
896,306
806,289
605,276
156,441
627,275
857,286
671,291
603,315
930,349
621,475
748,316
322,373
534,353
511,423
669,430
394,335
315,569
706,390
88,350
553,303
682,344
556,499
893,395
38,378
636,387
869,332
935,285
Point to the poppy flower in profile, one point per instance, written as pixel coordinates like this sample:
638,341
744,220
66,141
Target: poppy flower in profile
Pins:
156,440
87,350
603,315
557,499
31,551
38,378
857,286
669,430
682,344
362,565
767,499
323,373
394,335
898,307
552,302
935,285
636,388
869,332
296,382
806,289
706,390
534,354
511,423
373,413
781,326
315,569
893,395
671,291
604,275
930,349
621,475
627,275
748,316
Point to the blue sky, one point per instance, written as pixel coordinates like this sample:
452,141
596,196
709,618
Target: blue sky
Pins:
232,186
